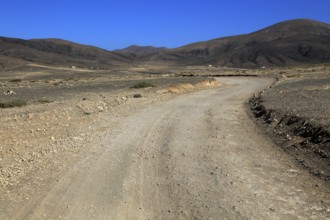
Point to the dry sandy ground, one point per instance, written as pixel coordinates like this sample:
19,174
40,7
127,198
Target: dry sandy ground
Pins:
193,156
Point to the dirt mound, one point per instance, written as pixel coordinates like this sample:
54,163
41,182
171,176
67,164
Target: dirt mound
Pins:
184,87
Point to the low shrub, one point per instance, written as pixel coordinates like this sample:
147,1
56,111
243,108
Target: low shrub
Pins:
44,101
137,96
141,85
15,80
12,103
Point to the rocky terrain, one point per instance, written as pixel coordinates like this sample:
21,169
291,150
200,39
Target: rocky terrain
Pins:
106,154
88,133
61,114
295,113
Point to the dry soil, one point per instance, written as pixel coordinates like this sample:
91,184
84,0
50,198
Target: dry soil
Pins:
193,156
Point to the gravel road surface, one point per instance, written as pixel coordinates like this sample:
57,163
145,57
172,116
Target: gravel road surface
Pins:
197,156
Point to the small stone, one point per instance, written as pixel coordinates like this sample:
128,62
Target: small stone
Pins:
272,209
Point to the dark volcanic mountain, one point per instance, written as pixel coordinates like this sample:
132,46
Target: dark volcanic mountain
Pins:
55,52
291,42
136,50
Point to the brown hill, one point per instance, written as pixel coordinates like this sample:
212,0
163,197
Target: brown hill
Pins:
136,50
291,42
16,52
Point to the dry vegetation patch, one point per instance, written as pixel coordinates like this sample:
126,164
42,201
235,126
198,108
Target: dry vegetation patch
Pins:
184,87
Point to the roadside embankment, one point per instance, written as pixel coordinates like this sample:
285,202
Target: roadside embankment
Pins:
295,114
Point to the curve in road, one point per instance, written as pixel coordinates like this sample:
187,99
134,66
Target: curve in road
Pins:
198,156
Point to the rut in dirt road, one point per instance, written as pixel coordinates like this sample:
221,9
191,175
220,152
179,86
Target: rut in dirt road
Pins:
198,156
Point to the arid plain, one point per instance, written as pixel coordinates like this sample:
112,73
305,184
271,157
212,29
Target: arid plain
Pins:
186,148
231,128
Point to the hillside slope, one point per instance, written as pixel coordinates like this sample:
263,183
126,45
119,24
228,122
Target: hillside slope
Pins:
135,50
15,52
291,42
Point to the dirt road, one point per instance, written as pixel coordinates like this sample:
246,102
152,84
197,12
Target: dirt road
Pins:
197,156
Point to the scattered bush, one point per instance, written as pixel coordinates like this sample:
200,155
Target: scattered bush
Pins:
12,103
137,96
44,101
141,85
15,80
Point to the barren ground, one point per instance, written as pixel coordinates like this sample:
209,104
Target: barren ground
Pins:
196,155
295,113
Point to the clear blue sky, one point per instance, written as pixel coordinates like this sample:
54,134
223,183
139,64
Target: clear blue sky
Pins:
171,23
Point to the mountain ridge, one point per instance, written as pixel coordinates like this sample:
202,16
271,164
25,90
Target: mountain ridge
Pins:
58,52
140,50
292,42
